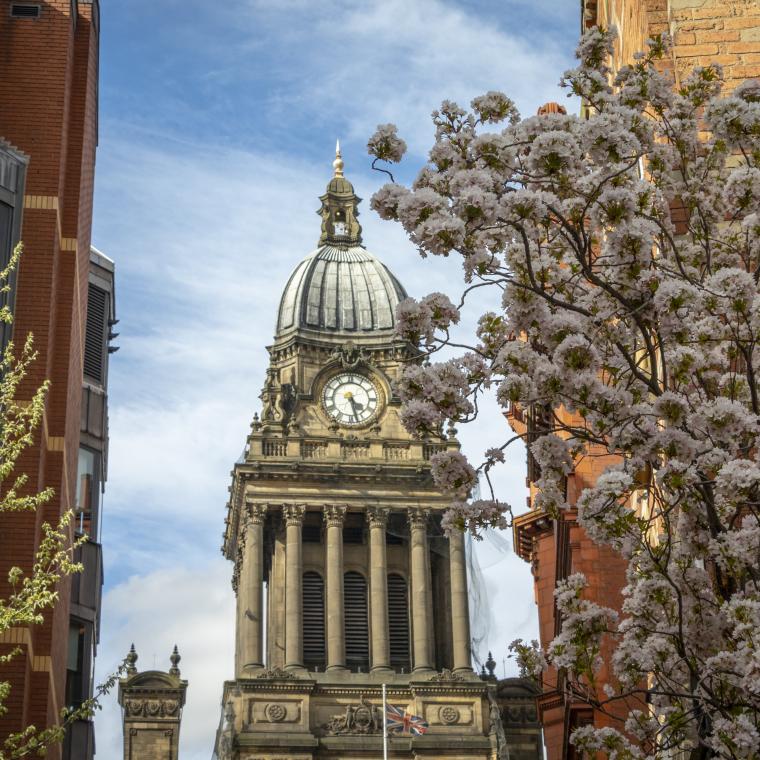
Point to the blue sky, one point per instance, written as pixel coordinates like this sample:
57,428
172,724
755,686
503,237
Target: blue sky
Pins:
217,128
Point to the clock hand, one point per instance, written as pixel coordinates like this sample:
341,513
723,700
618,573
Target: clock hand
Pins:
353,406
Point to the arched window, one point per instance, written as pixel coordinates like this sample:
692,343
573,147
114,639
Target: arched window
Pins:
313,620
357,625
398,622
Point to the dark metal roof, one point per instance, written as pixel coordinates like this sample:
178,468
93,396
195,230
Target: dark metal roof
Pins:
340,290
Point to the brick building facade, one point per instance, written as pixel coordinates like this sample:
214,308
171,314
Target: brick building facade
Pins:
704,31
48,137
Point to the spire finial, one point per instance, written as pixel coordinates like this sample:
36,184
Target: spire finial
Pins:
338,163
174,659
131,659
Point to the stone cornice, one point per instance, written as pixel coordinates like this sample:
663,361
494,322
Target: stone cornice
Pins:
294,685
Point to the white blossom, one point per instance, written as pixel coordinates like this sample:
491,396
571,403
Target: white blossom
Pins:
629,335
385,144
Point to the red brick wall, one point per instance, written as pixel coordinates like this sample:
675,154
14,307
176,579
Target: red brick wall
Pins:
48,92
704,31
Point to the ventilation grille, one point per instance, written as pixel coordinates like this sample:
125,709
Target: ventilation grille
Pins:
398,622
95,335
313,620
25,10
357,626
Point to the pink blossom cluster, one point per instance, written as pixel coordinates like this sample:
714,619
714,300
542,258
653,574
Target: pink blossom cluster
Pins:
626,250
471,516
385,144
418,321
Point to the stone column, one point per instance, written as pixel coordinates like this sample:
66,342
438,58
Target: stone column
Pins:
460,613
250,584
293,516
420,589
336,642
378,588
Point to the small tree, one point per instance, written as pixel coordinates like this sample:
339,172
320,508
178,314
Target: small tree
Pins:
33,593
626,247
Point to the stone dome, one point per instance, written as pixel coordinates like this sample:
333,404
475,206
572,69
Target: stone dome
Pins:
340,289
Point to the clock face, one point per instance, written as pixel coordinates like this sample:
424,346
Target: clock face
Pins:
350,399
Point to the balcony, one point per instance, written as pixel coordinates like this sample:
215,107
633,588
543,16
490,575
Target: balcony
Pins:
79,742
86,586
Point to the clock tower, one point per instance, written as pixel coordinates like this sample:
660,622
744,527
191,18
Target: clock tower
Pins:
344,579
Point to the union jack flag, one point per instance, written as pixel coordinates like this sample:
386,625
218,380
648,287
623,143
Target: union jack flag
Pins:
402,722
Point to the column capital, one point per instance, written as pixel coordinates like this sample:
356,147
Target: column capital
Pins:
334,514
418,517
293,514
377,517
255,514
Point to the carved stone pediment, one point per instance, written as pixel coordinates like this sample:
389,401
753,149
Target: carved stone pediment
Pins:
350,356
446,675
361,719
276,673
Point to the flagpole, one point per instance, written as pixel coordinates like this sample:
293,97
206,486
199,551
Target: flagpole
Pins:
385,727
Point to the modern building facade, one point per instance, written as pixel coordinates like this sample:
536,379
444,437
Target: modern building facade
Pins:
703,31
48,138
92,470
344,578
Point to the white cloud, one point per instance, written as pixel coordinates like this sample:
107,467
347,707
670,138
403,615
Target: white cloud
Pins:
191,606
365,63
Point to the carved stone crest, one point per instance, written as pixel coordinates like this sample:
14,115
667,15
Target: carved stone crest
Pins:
448,714
170,706
278,673
446,675
134,707
153,706
275,712
350,356
363,718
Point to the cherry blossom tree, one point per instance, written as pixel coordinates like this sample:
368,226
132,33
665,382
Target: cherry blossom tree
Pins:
626,249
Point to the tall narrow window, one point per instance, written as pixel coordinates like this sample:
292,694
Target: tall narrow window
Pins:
12,177
357,625
398,622
75,676
313,620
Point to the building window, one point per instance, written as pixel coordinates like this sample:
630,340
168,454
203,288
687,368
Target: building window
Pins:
75,676
311,533
353,528
356,622
12,177
313,621
88,490
398,622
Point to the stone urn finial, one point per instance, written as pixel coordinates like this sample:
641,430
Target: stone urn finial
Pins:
491,666
174,659
131,660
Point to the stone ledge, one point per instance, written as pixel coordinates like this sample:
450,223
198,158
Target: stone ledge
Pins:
288,740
